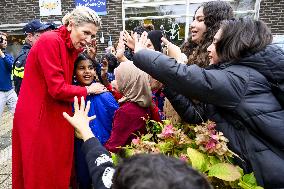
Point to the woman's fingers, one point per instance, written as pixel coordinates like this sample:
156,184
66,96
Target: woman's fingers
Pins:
165,41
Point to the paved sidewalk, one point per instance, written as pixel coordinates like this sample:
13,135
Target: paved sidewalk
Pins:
5,150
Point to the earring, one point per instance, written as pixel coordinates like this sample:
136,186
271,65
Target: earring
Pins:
74,79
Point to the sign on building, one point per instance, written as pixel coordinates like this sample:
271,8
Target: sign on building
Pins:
50,7
97,5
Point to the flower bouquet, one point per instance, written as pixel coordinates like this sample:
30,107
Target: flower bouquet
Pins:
201,146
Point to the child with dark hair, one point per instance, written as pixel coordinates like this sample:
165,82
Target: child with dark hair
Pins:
103,107
139,171
112,63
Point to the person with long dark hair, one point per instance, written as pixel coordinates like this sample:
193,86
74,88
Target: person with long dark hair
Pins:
236,91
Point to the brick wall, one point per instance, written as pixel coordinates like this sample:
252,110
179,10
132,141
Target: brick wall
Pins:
272,12
23,11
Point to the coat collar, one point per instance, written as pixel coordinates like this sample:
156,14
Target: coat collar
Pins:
65,34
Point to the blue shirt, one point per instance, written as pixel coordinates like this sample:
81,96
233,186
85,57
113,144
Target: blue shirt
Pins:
6,65
103,106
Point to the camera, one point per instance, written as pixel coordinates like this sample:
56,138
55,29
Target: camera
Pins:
1,39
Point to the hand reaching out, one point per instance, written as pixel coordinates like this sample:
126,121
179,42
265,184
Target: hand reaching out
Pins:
141,42
80,120
120,47
128,39
172,50
104,68
91,49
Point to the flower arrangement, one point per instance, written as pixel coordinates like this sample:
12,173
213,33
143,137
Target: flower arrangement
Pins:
200,146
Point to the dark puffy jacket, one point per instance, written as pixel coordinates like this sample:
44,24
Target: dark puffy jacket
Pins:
239,99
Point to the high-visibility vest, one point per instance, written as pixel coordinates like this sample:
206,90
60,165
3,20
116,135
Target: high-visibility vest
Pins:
19,63
18,72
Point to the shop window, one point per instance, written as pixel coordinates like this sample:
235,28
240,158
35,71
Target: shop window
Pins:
174,17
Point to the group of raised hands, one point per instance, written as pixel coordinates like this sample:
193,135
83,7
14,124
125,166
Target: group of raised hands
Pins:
80,120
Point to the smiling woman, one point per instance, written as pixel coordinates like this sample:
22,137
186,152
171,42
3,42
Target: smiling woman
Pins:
43,143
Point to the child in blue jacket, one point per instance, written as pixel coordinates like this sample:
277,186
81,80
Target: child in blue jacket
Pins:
102,105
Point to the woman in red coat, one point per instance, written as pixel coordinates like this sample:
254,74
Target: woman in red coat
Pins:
42,140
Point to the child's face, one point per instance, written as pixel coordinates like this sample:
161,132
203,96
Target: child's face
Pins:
85,72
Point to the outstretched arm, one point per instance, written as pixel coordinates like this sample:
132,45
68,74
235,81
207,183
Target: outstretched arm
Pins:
98,158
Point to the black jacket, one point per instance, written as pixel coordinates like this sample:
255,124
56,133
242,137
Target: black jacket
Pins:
99,163
19,66
239,99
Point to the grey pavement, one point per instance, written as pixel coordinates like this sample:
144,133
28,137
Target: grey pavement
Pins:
6,150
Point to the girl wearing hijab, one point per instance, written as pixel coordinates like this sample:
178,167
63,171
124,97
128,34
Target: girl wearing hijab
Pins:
129,119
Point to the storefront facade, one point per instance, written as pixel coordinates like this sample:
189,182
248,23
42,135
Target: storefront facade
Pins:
173,17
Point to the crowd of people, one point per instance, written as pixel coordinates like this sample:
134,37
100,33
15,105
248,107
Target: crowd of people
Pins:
233,75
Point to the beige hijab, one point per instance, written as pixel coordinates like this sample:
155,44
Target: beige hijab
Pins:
133,84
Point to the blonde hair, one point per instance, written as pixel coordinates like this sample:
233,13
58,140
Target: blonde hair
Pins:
81,15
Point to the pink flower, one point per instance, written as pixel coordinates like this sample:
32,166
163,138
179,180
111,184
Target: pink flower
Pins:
210,145
167,131
214,137
211,125
136,141
183,157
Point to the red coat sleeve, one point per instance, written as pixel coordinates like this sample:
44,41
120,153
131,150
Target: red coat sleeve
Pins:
54,60
117,95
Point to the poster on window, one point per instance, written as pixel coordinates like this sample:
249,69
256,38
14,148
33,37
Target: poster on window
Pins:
97,5
50,7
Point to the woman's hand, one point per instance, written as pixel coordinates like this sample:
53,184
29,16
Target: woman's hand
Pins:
104,68
80,120
104,71
172,50
91,49
120,49
96,88
141,42
128,39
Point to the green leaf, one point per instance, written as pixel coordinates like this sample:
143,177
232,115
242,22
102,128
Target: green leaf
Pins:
166,122
249,179
147,137
197,159
128,152
224,171
214,160
115,158
165,147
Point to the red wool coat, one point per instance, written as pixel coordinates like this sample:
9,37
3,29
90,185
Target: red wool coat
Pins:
42,140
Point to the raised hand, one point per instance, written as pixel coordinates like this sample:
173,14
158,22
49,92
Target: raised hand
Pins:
120,49
91,49
171,49
80,120
128,39
140,43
